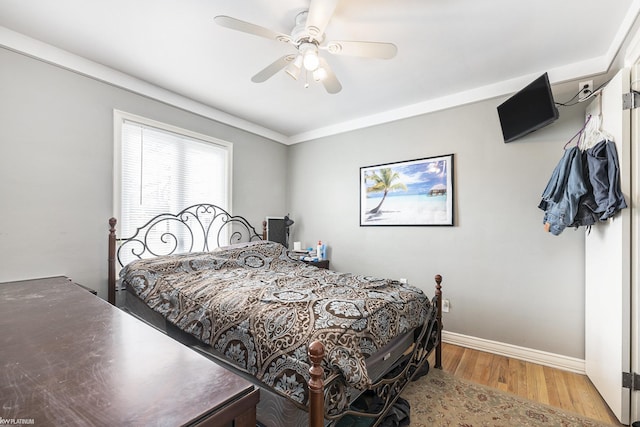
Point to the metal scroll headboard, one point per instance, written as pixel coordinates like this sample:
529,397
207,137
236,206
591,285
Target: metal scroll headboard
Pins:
197,228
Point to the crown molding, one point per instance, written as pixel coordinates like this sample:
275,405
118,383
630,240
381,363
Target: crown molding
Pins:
44,52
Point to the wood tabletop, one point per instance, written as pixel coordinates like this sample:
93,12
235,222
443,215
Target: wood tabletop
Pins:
67,357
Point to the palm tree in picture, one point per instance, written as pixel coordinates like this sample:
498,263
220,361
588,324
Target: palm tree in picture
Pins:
383,182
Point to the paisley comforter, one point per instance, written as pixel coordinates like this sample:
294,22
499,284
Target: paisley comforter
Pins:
260,308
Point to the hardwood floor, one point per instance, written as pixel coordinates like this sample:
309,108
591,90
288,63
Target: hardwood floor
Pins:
566,390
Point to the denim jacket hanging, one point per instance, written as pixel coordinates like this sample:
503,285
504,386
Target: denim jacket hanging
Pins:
561,197
584,188
604,175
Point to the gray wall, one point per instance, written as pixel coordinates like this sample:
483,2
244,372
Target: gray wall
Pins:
56,169
507,279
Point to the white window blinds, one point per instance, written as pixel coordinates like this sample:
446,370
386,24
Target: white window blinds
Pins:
164,170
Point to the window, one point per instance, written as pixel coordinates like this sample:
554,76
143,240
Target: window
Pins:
163,169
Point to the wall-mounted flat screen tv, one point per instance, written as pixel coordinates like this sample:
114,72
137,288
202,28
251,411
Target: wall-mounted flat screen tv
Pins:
530,109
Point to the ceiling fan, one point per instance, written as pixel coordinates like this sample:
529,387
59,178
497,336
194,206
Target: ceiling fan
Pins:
308,38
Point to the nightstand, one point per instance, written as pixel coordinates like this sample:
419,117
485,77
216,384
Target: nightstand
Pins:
324,263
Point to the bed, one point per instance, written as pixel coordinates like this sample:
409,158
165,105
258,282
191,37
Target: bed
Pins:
317,342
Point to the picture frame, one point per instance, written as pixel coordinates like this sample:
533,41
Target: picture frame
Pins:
415,192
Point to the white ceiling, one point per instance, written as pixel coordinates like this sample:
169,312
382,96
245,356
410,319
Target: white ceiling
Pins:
450,52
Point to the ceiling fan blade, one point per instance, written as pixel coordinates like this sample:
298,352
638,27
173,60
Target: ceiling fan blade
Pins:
272,68
364,49
330,81
249,28
320,12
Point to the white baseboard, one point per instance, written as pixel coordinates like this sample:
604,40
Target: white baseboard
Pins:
552,360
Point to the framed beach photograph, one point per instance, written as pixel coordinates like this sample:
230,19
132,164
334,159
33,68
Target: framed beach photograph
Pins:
413,192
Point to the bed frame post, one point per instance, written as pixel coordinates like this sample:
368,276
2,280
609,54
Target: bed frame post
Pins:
439,320
111,281
264,230
316,385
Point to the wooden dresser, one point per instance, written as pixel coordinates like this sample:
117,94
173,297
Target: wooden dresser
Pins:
69,358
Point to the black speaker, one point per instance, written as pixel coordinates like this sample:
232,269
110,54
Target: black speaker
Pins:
277,230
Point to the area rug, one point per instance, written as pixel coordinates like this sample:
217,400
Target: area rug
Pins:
441,400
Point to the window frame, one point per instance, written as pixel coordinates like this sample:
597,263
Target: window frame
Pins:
119,117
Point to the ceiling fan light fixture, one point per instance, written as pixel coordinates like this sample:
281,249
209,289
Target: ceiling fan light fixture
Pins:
295,67
310,59
319,74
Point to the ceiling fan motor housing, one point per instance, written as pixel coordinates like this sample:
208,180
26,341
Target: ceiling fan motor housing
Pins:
303,34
